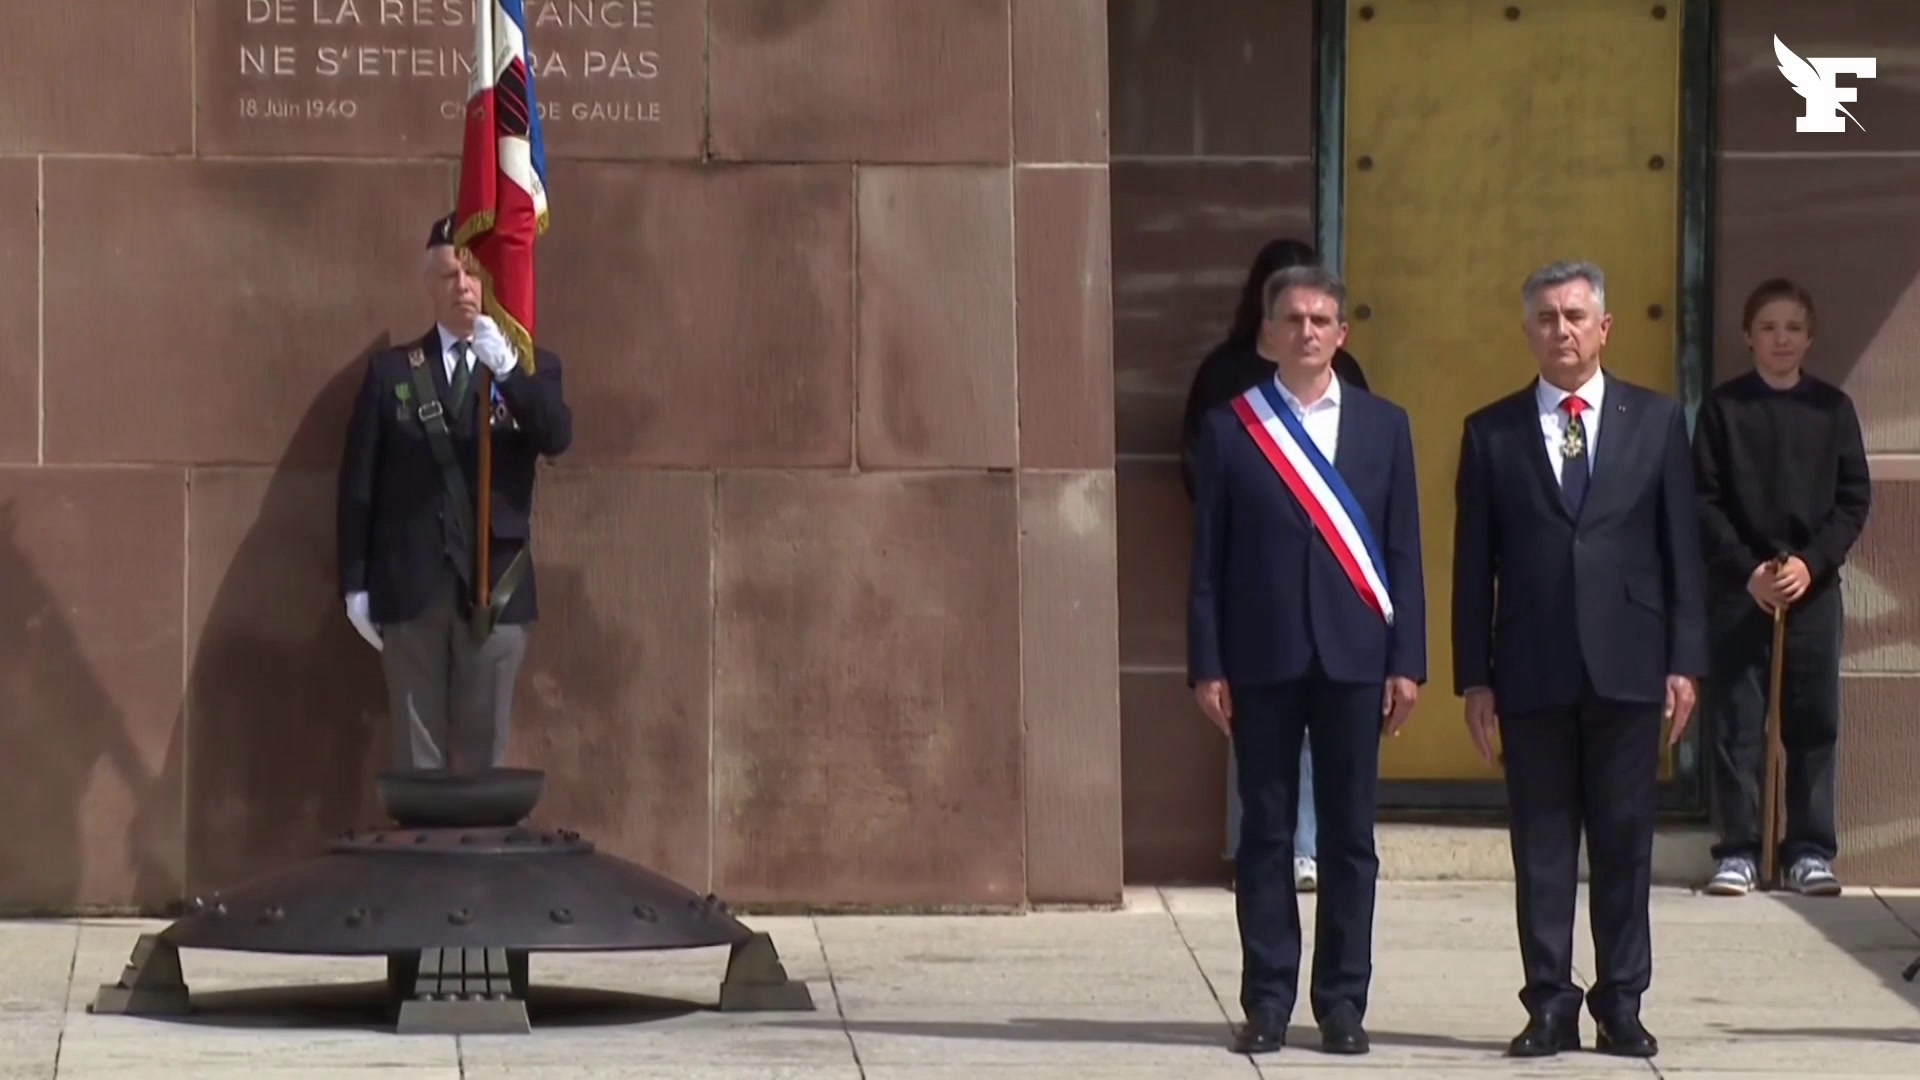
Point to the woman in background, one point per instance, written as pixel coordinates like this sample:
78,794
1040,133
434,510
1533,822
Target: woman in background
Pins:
1229,370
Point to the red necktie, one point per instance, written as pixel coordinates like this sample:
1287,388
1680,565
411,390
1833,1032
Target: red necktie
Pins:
1573,455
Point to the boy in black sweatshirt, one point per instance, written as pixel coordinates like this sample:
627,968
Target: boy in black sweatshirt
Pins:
1782,471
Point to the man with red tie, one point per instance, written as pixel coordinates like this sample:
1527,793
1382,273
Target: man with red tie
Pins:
1579,622
1306,618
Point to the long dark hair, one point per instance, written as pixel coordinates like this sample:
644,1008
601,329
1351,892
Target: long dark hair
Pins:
1277,255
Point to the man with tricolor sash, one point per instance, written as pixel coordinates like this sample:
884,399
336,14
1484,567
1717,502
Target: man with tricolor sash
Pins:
435,513
1306,620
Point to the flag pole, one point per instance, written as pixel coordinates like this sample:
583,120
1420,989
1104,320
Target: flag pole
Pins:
483,428
500,208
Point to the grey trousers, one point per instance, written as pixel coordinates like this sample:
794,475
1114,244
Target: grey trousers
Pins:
449,697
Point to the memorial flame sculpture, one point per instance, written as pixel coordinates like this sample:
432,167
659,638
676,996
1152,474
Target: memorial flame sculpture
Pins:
456,894
459,892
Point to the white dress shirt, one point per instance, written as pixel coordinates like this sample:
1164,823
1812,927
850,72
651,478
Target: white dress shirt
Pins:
1321,419
1553,419
451,351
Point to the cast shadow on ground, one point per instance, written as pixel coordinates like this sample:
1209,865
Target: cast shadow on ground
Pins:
364,1006
1869,930
1070,1031
1884,1035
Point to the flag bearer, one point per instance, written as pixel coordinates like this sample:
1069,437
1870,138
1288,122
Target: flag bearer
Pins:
406,519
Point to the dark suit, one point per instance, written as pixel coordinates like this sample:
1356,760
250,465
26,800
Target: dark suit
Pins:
1271,611
1225,373
1594,611
399,543
393,498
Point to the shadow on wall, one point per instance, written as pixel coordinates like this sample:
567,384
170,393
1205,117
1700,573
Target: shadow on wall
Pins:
286,713
62,736
573,703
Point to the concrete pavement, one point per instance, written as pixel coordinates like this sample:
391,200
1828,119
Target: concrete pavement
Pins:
1763,986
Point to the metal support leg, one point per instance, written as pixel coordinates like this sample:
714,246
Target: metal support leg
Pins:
150,985
756,981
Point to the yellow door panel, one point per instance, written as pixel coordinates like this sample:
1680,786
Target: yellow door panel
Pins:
1479,147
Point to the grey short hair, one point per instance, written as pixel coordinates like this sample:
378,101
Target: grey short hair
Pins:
1317,278
1559,273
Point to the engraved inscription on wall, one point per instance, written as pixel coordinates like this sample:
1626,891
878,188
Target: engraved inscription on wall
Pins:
612,78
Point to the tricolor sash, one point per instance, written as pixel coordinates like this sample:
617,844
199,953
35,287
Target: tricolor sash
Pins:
1320,490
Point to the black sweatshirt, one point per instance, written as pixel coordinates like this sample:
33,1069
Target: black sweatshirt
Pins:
1779,471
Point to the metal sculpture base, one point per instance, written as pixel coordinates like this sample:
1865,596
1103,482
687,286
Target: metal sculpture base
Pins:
462,992
457,898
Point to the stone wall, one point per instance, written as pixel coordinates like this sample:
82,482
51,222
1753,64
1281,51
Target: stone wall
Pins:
1213,106
828,576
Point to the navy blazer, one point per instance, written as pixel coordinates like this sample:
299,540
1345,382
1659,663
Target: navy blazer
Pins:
1266,596
392,493
1543,604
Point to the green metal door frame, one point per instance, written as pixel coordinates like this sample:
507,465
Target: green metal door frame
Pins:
1685,794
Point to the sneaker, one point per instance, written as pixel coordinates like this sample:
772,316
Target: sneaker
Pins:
1735,877
1813,876
1306,874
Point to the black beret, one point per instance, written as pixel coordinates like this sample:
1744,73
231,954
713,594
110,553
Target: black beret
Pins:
442,234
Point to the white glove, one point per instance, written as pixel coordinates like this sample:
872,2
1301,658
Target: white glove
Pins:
491,347
357,614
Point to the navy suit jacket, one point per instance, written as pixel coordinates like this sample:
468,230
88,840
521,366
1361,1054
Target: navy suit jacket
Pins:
1542,603
1266,596
392,492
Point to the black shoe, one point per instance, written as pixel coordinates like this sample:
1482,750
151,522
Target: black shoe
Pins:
1623,1036
1342,1033
1263,1033
1546,1036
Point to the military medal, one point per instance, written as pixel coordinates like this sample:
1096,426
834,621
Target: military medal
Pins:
502,416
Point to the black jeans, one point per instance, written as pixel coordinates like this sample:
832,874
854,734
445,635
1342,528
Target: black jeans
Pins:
1736,704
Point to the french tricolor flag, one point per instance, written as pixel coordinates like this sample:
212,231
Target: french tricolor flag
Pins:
502,205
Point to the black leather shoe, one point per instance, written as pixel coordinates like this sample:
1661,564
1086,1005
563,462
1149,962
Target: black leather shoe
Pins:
1263,1033
1623,1036
1342,1033
1546,1036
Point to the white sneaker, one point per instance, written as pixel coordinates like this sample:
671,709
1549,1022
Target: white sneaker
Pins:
1306,874
1736,876
1813,876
